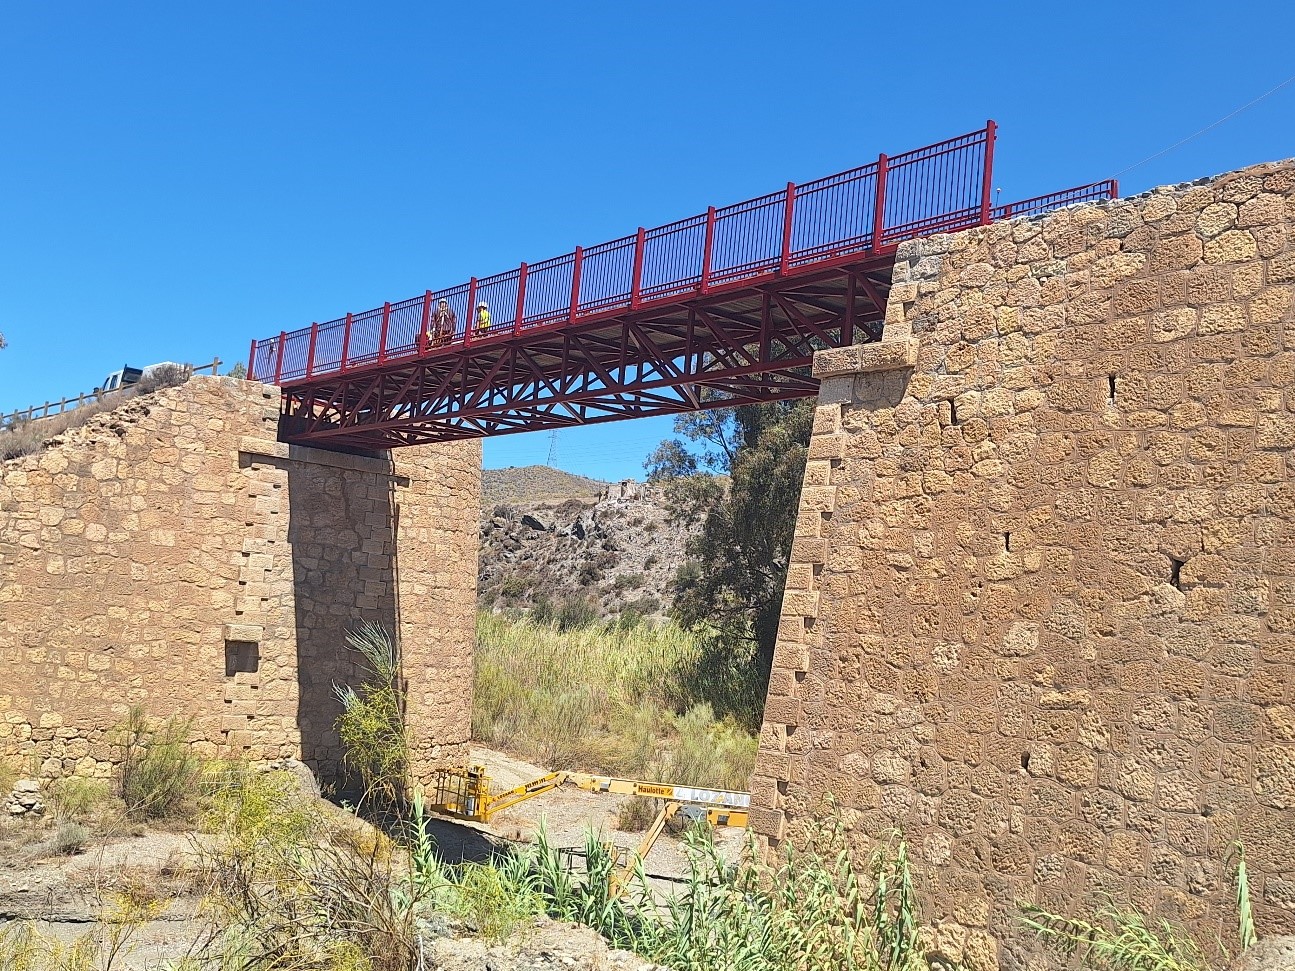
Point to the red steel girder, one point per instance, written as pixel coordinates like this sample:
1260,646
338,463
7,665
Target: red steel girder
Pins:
753,344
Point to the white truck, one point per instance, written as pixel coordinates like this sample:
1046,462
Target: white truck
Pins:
125,376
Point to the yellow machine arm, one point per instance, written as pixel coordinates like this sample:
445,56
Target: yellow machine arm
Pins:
465,793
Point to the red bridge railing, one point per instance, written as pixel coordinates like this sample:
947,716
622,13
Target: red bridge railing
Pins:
870,209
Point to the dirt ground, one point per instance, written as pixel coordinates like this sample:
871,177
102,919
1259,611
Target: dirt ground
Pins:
64,895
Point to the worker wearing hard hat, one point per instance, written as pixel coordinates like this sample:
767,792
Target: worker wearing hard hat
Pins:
483,319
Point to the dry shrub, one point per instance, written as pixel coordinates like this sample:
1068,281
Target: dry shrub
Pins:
70,839
290,887
158,771
77,798
636,814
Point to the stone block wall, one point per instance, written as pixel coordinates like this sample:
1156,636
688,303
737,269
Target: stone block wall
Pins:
173,554
1041,606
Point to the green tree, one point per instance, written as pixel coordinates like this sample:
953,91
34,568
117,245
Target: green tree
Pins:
239,370
733,584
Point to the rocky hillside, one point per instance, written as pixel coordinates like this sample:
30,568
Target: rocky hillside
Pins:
532,483
617,553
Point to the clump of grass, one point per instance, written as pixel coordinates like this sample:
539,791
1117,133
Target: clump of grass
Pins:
157,768
1116,939
601,698
1120,938
1245,913
372,723
70,839
817,907
77,798
8,776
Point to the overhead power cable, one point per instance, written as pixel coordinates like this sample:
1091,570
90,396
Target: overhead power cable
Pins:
1210,127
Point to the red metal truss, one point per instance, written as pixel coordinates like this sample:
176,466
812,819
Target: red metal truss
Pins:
725,307
752,346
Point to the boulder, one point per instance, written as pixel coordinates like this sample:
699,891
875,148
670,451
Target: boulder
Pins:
531,522
1269,954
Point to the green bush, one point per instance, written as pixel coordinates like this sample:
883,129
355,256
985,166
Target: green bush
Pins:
627,581
372,723
513,587
157,768
576,613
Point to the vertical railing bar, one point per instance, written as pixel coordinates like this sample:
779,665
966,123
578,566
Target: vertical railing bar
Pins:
991,131
708,247
382,333
310,353
278,365
346,343
879,204
251,361
636,283
521,299
471,315
423,336
789,202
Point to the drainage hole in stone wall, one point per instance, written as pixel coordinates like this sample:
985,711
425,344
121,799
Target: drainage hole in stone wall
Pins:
1176,573
1025,760
1007,542
953,412
1110,389
242,657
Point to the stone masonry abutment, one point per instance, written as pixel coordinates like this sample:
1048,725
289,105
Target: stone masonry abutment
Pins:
1040,612
173,554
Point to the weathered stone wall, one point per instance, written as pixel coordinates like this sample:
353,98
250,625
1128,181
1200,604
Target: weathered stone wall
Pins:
173,554
1041,609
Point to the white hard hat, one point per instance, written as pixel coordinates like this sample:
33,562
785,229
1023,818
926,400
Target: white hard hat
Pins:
482,304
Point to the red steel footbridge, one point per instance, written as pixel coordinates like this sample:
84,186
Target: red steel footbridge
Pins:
725,307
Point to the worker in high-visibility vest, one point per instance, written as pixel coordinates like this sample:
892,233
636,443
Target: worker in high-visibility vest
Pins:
483,319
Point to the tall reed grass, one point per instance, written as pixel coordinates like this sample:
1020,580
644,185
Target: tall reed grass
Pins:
604,699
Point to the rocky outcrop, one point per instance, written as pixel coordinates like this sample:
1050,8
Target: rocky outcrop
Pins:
619,554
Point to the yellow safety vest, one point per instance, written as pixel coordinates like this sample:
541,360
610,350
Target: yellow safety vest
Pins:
483,319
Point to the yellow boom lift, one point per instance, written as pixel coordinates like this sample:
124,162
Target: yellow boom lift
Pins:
466,794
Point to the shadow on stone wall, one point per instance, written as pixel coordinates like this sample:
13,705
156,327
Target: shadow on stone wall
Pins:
342,531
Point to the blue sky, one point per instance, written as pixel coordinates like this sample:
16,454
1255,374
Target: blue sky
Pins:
176,179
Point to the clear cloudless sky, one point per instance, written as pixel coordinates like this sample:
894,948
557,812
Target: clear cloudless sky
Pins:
177,178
